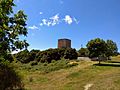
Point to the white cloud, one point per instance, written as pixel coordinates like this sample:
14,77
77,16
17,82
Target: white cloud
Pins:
41,13
54,20
76,20
68,19
44,21
41,24
51,21
33,27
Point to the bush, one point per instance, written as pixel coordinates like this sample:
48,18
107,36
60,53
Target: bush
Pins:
83,52
32,63
9,78
45,58
23,56
46,55
70,54
53,66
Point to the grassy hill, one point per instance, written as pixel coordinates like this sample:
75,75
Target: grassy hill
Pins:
87,75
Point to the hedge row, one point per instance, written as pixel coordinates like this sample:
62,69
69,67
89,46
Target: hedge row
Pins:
46,55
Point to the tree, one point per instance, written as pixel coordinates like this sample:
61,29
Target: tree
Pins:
23,56
11,27
97,48
83,52
112,49
32,54
70,53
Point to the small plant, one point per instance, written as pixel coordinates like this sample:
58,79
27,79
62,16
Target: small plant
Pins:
30,79
33,63
73,64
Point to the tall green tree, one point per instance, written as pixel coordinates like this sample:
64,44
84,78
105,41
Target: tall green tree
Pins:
83,52
11,27
70,53
97,48
112,49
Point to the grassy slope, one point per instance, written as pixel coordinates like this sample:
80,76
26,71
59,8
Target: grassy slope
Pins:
106,77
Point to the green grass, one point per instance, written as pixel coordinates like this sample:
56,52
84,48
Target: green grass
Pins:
44,67
103,77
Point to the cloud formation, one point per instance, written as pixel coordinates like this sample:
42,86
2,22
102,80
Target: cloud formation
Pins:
74,19
33,27
54,20
68,19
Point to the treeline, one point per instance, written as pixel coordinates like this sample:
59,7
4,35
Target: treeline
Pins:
26,56
94,48
99,48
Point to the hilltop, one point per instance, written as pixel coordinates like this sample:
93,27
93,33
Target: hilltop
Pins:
83,75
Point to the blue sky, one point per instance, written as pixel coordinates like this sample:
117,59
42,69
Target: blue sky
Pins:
78,20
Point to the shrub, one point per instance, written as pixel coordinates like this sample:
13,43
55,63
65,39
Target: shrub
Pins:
9,78
23,56
45,58
46,55
83,52
70,54
32,63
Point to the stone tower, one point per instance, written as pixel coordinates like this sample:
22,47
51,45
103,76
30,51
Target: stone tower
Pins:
64,43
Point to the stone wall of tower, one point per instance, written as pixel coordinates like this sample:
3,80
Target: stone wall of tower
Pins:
64,43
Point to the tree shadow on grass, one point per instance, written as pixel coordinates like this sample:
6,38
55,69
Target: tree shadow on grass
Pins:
113,62
112,65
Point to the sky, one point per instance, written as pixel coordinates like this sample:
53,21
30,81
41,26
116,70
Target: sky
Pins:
78,20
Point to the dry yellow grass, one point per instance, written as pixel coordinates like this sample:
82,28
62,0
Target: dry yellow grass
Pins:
56,79
77,77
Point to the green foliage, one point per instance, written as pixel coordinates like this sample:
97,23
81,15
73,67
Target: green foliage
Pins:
23,56
32,63
99,47
11,26
56,65
46,56
57,54
32,54
45,67
9,78
112,49
70,54
83,52
102,49
96,47
61,64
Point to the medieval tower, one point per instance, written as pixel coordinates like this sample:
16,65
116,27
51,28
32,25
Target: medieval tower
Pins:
64,43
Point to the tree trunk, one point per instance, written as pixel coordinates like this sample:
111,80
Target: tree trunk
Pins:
99,62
